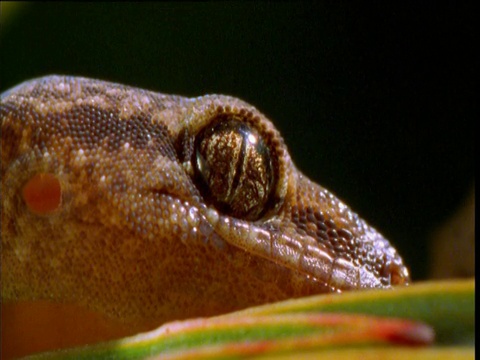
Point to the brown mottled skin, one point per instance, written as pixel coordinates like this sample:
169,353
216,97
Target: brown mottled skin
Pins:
140,235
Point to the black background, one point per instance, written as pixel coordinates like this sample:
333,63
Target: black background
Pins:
376,102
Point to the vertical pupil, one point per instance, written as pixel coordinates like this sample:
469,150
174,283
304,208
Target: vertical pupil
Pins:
234,167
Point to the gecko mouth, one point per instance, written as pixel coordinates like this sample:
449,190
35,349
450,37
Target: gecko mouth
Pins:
332,245
304,254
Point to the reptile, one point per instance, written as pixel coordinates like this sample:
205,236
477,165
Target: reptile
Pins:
141,205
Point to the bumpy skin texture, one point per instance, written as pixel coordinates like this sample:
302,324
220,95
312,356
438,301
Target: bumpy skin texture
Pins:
137,235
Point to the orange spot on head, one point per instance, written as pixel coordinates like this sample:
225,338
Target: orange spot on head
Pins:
42,193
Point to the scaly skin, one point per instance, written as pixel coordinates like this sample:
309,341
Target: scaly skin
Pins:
141,233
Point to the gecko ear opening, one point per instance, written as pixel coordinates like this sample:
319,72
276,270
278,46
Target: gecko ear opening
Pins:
42,194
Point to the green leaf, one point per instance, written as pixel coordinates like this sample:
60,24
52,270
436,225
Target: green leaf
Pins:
385,324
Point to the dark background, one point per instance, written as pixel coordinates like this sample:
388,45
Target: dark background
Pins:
375,102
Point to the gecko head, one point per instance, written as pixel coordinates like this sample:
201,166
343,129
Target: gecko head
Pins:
262,203
162,207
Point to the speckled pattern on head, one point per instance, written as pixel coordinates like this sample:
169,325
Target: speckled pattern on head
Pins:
141,232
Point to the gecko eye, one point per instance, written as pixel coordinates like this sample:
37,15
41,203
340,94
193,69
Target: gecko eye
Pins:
234,165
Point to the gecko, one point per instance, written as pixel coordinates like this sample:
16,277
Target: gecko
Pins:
142,205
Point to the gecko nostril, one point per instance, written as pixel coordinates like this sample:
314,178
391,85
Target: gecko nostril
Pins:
42,193
400,275
395,273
